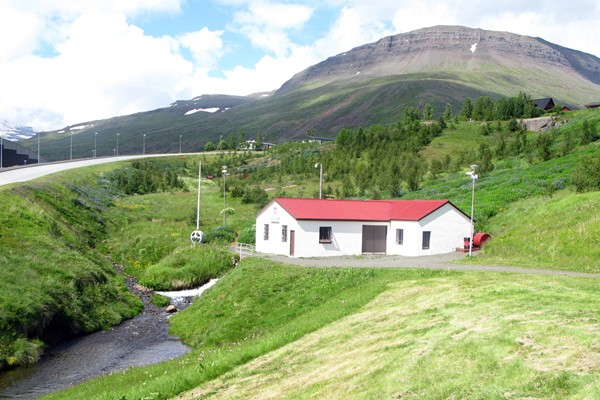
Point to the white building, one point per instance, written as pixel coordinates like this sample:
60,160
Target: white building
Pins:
317,228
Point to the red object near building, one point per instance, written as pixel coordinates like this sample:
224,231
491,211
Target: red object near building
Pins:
479,239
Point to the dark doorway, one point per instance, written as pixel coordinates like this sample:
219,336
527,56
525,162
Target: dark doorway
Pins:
374,238
292,242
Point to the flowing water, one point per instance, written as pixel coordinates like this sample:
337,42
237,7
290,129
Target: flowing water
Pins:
142,340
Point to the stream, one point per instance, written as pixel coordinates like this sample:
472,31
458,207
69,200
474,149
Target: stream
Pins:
142,340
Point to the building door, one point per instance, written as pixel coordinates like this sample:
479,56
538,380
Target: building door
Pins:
292,242
374,239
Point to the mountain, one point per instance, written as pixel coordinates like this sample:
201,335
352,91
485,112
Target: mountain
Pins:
373,83
15,133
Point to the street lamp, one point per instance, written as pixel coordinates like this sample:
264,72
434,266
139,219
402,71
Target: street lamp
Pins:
179,144
320,179
474,177
224,172
117,144
144,146
95,140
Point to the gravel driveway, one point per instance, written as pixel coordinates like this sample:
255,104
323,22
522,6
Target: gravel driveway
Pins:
440,261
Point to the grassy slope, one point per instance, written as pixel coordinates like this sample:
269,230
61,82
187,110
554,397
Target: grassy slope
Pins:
52,283
558,232
272,331
467,336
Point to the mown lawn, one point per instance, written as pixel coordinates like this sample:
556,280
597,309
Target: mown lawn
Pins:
461,336
273,331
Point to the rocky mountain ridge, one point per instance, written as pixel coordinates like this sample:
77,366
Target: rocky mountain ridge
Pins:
447,49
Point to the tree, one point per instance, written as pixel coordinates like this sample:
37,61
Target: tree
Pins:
428,112
586,176
242,138
485,158
466,111
209,146
589,133
543,143
259,141
448,112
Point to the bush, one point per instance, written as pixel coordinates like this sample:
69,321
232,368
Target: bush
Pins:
248,235
586,176
222,233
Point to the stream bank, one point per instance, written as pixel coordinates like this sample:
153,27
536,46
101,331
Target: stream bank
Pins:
142,340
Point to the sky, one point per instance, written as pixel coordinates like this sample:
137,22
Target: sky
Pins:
64,62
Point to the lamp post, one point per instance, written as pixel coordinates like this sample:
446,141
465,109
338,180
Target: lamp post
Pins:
95,140
224,172
179,144
474,177
117,144
144,145
320,179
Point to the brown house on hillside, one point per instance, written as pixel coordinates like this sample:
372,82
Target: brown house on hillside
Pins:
544,104
593,105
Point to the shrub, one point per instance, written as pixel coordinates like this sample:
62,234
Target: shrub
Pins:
586,176
222,233
248,235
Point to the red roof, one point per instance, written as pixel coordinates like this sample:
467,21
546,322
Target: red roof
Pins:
360,210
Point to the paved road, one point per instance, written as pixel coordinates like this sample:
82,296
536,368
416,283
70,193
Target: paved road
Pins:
23,174
441,261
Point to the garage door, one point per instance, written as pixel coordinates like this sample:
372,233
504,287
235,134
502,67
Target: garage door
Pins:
373,239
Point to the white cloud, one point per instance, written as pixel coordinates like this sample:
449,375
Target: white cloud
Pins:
265,24
64,62
206,46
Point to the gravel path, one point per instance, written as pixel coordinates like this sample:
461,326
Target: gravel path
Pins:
441,261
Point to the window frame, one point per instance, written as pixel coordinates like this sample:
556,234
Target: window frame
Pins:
284,233
399,236
266,232
325,234
426,244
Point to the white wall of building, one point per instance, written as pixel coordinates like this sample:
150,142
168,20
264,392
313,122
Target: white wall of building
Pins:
448,228
447,225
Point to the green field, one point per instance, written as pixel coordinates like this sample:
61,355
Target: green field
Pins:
268,330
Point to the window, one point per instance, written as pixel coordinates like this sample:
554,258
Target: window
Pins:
325,234
426,239
399,236
266,232
284,233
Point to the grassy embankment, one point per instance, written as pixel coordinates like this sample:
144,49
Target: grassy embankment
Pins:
54,283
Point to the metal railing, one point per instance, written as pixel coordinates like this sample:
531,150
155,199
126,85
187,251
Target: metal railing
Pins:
244,250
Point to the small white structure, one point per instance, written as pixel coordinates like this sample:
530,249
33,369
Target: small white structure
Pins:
317,228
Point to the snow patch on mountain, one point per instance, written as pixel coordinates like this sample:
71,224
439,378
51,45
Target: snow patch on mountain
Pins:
209,110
